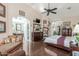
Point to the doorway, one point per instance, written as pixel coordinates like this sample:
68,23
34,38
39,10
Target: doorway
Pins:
21,25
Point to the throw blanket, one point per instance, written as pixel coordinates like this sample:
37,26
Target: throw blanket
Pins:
60,40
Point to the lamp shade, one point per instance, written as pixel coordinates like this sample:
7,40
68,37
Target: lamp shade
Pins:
76,29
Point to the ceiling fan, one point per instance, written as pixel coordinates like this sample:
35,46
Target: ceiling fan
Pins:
49,10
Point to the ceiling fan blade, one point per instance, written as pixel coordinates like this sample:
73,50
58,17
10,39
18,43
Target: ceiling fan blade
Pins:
53,12
54,9
44,12
48,14
45,9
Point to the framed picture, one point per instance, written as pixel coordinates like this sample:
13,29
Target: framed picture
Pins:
2,27
2,10
18,27
67,23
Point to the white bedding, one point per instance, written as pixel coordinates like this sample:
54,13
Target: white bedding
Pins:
53,39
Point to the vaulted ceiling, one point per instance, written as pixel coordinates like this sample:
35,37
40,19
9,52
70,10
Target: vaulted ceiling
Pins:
63,9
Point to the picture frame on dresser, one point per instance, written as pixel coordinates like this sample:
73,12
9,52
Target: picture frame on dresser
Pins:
2,27
2,10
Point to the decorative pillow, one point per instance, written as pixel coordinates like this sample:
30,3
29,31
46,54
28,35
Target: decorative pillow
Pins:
7,40
19,38
2,42
12,38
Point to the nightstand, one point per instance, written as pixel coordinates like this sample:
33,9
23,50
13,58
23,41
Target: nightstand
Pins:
75,51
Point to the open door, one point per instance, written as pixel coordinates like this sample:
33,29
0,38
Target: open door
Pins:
21,25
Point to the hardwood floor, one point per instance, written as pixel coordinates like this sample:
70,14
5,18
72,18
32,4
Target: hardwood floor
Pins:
40,49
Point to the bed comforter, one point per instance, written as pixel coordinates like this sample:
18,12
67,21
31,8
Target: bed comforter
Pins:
60,40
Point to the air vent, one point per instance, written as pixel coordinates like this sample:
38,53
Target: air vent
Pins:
69,8
21,13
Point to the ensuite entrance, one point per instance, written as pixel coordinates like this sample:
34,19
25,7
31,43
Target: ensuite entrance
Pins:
21,27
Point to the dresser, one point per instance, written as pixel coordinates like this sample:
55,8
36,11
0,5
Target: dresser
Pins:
37,36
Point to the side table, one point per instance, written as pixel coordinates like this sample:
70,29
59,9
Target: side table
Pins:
75,51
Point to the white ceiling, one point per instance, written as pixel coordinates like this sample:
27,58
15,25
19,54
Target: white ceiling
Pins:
62,10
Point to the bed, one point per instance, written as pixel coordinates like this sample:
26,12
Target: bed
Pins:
60,41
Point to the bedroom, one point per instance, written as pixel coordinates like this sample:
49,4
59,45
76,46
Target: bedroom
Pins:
60,30
46,29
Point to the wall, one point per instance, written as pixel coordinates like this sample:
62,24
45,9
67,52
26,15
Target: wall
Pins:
73,19
5,19
12,10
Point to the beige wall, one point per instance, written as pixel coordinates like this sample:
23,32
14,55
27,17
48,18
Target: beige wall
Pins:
12,10
74,20
5,19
